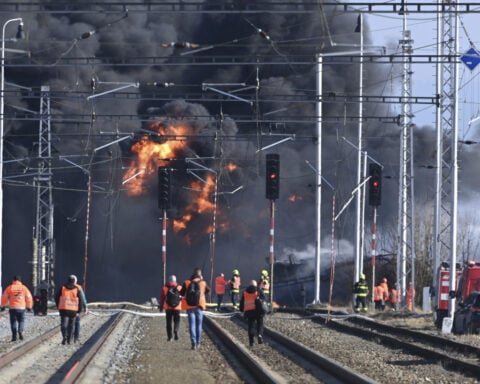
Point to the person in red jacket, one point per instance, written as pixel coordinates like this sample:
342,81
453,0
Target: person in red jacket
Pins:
248,305
220,286
195,311
69,304
168,299
19,299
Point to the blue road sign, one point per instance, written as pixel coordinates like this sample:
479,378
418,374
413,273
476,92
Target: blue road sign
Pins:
471,58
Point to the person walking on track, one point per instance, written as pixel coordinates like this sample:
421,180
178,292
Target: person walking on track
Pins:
19,299
171,301
194,293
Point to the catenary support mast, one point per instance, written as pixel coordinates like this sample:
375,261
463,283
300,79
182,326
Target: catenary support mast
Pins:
44,246
406,242
445,235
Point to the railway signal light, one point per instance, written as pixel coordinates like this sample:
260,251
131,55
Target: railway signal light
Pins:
272,176
163,188
375,185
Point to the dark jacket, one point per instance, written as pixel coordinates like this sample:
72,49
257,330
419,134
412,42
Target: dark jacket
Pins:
251,289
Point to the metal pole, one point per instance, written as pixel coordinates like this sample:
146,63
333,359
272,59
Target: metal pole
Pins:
213,234
2,118
454,179
164,246
318,180
358,235
271,259
87,230
374,246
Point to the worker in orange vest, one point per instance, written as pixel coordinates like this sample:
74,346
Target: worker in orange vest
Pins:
410,297
19,298
69,304
248,305
220,286
378,297
396,297
195,311
386,292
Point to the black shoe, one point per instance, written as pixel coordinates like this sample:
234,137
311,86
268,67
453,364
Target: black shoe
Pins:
176,336
260,340
14,338
20,335
64,341
194,347
68,341
169,338
75,340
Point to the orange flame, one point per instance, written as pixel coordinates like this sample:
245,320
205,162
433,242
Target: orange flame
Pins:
231,167
294,198
200,205
150,155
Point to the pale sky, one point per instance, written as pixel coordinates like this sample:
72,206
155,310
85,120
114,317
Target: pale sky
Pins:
386,30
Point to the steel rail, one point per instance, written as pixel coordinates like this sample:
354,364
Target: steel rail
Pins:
433,340
250,362
26,347
326,364
81,365
449,362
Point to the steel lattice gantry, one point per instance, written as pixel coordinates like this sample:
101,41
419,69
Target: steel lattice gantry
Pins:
406,241
445,226
43,242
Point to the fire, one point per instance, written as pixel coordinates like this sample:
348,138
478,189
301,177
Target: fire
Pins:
294,198
149,154
231,167
200,205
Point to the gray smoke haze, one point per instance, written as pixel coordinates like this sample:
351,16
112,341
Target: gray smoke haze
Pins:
124,246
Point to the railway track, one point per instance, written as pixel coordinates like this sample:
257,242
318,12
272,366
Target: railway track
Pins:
452,355
288,361
44,360
297,349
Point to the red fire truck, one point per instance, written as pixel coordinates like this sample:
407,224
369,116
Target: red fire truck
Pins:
467,282
442,293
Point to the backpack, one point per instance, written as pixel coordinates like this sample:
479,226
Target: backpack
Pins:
193,293
173,297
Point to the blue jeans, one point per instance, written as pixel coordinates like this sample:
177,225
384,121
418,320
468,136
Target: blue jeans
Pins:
76,327
195,323
66,326
17,316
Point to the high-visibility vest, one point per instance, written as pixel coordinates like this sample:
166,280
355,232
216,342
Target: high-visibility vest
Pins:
385,290
378,293
235,284
220,284
18,296
203,301
163,297
410,294
249,301
69,300
265,285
